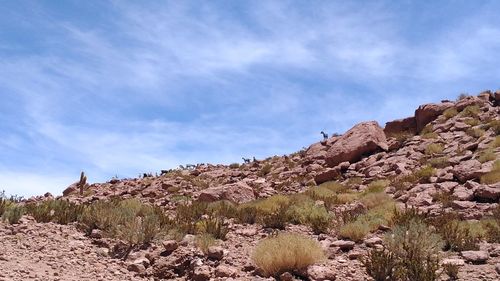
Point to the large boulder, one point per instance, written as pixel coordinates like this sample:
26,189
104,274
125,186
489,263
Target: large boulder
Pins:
429,112
468,170
239,192
363,139
401,126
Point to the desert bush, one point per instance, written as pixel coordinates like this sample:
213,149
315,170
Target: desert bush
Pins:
4,203
303,210
214,226
354,181
471,111
495,126
458,237
439,162
451,270
286,252
492,230
462,96
424,173
129,220
450,113
247,213
380,264
376,186
266,169
427,129
277,218
234,165
222,208
493,176
416,249
404,216
475,132
496,142
13,213
472,122
204,241
434,148
370,221
371,200
334,186
58,211
187,215
443,197
487,155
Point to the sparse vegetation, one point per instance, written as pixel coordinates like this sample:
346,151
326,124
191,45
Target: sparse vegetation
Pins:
495,126
487,155
380,264
451,270
58,211
214,226
434,148
204,241
266,169
475,132
427,132
377,186
493,176
450,113
471,111
13,213
286,252
439,162
458,236
416,249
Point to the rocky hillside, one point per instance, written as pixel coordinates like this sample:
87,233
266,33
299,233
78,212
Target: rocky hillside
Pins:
416,200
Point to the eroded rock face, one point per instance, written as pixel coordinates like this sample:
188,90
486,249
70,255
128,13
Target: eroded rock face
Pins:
429,112
408,124
239,192
363,139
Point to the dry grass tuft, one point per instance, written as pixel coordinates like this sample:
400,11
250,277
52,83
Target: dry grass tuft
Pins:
286,252
493,176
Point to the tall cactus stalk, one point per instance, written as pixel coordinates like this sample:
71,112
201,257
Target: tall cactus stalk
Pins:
82,183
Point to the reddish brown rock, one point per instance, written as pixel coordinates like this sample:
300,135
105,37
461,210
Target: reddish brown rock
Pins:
239,192
328,175
428,112
363,139
408,124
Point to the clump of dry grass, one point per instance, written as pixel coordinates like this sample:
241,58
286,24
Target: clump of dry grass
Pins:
204,241
286,252
450,113
487,155
434,148
493,176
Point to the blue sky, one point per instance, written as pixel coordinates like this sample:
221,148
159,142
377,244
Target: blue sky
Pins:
124,87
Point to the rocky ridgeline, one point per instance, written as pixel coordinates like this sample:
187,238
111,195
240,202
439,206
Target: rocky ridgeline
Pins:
438,160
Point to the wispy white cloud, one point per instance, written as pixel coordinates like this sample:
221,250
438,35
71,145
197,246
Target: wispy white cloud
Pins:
153,87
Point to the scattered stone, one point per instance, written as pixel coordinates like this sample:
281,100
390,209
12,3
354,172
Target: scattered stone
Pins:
475,257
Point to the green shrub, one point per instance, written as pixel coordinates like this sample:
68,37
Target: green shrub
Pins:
496,142
247,213
458,236
475,132
380,214
495,126
424,173
286,252
416,249
472,122
58,211
303,210
377,186
13,213
434,148
487,155
204,241
471,111
266,169
129,220
493,176
444,197
222,208
406,215
450,113
439,162
380,264
451,270
276,218
214,226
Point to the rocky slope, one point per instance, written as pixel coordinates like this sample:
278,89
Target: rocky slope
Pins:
439,160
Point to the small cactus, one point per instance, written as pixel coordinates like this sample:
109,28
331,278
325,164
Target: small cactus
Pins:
82,183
